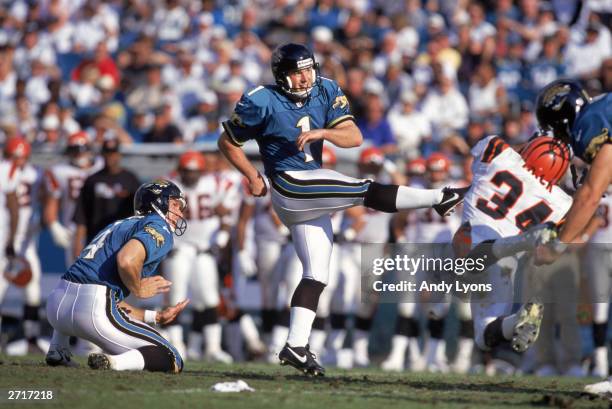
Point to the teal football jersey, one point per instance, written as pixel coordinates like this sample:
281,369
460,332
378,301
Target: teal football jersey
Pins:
97,263
592,128
274,121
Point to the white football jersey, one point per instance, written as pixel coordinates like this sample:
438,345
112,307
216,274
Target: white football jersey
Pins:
202,221
430,227
376,227
604,233
506,199
29,194
9,177
64,182
263,223
232,189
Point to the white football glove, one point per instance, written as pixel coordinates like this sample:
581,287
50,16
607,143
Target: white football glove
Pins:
222,238
284,230
61,235
247,264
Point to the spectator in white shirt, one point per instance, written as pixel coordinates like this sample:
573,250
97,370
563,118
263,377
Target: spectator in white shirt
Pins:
444,105
171,22
409,126
584,58
487,97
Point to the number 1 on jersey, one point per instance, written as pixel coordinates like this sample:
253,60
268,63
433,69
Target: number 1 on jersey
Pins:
304,124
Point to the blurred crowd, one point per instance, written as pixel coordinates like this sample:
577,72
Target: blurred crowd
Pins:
421,75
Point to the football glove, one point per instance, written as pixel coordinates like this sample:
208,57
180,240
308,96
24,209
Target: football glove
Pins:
61,236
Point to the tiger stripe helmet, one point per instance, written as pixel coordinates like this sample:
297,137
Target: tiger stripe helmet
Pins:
17,147
192,160
547,158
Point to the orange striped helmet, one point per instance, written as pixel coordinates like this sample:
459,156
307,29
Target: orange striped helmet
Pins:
547,158
78,142
438,162
17,147
416,167
192,160
371,155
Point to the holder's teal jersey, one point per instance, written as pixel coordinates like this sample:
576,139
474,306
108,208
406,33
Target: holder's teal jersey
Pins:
275,121
97,263
592,128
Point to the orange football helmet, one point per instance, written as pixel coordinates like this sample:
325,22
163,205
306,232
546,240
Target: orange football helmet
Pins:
416,167
17,147
371,155
547,158
18,271
438,162
328,157
192,160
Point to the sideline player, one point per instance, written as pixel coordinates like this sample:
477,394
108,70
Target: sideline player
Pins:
290,120
89,300
10,173
29,196
63,183
192,264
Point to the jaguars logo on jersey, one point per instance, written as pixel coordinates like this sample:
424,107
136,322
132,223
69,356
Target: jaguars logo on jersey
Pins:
157,236
596,143
340,102
236,120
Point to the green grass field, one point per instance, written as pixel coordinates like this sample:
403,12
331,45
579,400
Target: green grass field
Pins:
279,387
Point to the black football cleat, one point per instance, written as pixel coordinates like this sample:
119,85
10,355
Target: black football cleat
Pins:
301,359
452,197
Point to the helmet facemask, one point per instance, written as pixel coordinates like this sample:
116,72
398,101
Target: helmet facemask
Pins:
299,93
179,226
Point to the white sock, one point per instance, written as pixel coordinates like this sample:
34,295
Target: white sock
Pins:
279,336
175,334
441,354
361,342
194,342
212,337
464,350
131,360
317,341
508,324
336,339
300,326
399,343
414,350
600,356
249,330
411,198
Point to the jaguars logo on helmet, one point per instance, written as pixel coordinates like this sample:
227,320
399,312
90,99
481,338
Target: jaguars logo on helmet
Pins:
155,197
557,107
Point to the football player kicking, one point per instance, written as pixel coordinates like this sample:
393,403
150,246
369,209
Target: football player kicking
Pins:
564,108
89,300
290,120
